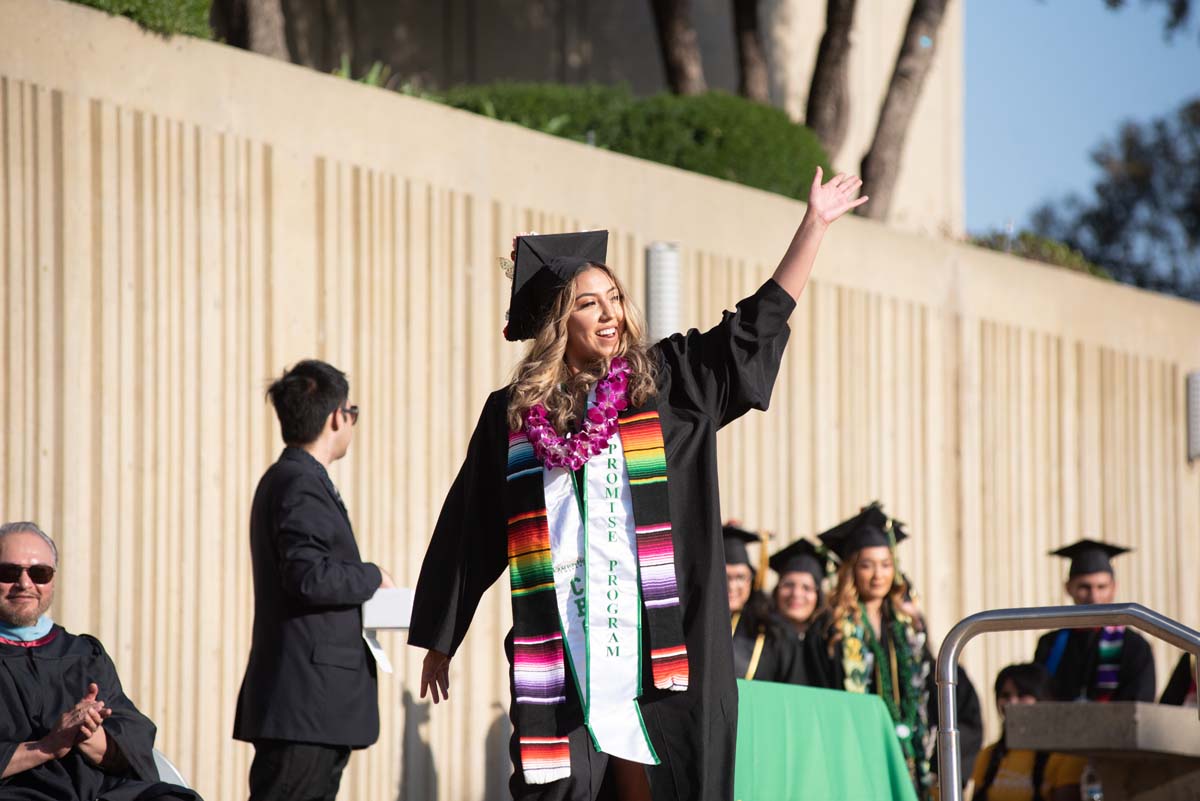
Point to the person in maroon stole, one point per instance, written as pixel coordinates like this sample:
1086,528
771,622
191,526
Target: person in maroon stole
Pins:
592,477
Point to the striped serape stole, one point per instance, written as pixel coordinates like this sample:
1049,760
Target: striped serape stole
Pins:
539,656
539,667
646,461
1108,661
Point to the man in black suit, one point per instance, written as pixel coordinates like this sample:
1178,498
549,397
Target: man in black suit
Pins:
310,694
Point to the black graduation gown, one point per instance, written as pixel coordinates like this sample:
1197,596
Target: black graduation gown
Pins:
39,684
782,657
1077,668
1180,682
706,381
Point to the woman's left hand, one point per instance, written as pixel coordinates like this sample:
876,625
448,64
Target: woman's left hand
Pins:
836,197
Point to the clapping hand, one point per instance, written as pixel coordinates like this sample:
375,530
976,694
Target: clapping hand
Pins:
78,724
836,197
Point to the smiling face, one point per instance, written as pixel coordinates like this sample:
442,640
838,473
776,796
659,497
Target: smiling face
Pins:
796,596
874,573
23,601
596,321
738,579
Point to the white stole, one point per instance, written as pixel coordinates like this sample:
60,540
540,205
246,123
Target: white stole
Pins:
599,599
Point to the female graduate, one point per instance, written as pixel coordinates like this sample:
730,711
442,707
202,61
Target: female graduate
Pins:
592,477
763,648
798,597
868,641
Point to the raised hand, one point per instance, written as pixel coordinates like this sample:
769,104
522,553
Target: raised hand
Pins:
435,675
831,200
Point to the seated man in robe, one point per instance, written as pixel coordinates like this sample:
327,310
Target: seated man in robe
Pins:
67,731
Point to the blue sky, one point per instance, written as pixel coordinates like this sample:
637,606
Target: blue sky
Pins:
1046,81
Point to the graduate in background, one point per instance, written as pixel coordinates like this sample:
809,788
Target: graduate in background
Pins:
1111,663
593,478
762,647
1181,687
866,642
1004,775
798,596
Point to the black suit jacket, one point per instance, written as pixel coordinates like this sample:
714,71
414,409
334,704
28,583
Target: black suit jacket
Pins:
310,677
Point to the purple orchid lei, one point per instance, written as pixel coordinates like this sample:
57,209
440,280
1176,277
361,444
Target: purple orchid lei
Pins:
573,451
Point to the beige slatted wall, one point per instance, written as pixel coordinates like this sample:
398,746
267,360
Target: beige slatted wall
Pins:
179,220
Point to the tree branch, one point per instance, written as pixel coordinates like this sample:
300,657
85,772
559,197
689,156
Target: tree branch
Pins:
881,164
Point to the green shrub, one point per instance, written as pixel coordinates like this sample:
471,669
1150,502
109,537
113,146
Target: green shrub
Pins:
727,137
187,17
1039,248
715,134
590,113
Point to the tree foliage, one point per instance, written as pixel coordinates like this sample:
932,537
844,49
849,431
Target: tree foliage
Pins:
1179,12
1029,245
188,17
1142,220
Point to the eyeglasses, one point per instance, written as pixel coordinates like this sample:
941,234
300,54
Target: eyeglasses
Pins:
353,412
38,574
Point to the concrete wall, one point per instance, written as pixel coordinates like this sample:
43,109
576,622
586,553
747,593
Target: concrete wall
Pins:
179,220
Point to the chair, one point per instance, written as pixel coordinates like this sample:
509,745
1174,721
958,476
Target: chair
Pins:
167,772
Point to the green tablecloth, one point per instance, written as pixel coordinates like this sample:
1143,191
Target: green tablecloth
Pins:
804,743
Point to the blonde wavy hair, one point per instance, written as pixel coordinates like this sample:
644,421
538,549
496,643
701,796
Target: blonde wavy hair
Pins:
542,375
845,599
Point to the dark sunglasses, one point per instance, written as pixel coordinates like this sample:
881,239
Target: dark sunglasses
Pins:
38,574
353,412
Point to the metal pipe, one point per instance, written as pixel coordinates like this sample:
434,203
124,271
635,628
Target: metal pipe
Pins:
662,289
1041,617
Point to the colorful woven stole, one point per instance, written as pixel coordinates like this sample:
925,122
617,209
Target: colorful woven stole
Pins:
1108,653
539,664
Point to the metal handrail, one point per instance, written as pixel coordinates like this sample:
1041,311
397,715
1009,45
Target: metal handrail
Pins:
1041,617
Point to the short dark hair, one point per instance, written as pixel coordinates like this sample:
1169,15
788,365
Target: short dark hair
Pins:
1029,678
304,396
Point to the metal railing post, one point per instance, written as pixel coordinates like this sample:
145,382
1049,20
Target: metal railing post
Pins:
1042,617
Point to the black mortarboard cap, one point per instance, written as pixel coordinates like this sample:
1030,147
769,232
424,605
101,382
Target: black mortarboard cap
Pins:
867,529
736,539
1090,556
544,265
801,556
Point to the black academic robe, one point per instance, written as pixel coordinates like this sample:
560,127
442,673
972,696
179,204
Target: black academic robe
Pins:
1181,682
37,685
706,380
1076,671
781,658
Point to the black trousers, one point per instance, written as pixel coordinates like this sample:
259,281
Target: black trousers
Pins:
285,771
